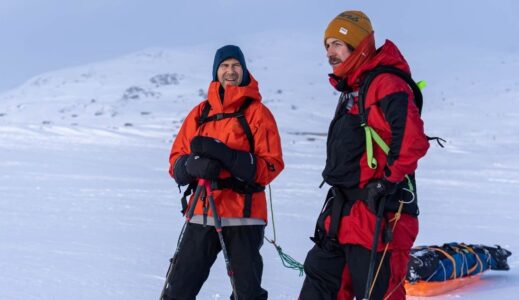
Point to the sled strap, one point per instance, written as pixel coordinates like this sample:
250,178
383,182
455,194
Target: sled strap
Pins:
449,257
479,262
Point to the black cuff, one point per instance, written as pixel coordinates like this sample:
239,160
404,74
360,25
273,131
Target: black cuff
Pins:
243,166
180,172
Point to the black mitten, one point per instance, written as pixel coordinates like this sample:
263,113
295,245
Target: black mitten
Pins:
241,164
202,167
377,189
179,171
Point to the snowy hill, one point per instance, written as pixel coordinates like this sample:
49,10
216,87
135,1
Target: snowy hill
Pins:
87,210
153,89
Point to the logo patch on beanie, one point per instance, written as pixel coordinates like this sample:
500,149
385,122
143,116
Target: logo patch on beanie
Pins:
343,30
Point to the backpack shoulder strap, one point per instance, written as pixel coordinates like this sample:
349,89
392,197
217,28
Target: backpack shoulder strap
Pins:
418,98
205,112
245,125
240,115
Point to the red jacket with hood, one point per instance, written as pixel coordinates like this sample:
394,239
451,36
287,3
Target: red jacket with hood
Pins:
393,114
267,144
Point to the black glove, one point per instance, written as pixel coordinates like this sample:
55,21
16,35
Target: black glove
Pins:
180,172
203,167
241,164
376,190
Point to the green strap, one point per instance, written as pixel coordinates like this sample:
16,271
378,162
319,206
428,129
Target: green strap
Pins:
372,135
372,162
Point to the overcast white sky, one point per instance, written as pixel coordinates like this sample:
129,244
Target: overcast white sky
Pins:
43,35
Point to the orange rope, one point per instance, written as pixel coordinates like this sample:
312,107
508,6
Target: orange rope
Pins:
394,289
480,263
397,216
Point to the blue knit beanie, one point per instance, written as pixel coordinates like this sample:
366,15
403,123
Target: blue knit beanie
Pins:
226,52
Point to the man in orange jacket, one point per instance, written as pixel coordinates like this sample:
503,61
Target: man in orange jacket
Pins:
361,176
231,139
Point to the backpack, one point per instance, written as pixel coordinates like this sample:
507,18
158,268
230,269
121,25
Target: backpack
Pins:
370,133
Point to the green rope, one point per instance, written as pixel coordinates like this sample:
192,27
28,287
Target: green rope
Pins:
286,259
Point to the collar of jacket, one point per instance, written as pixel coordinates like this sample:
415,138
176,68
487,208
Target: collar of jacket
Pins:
362,54
388,54
234,96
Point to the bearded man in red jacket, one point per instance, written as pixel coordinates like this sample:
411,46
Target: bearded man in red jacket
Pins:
362,175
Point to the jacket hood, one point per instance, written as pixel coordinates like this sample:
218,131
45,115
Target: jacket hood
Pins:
388,55
226,52
234,96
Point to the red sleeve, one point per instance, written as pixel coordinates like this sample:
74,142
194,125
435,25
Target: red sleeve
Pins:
267,146
185,134
414,146
403,125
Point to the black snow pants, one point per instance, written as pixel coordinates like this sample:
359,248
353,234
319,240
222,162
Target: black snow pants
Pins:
340,272
198,250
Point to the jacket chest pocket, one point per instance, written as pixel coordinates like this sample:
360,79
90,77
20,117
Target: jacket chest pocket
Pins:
345,147
237,137
229,131
347,137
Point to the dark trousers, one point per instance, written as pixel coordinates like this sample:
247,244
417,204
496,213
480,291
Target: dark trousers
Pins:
340,272
198,250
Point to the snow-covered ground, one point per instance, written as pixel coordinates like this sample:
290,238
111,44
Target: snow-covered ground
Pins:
88,211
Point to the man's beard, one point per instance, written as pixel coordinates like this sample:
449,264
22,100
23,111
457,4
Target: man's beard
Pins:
334,60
